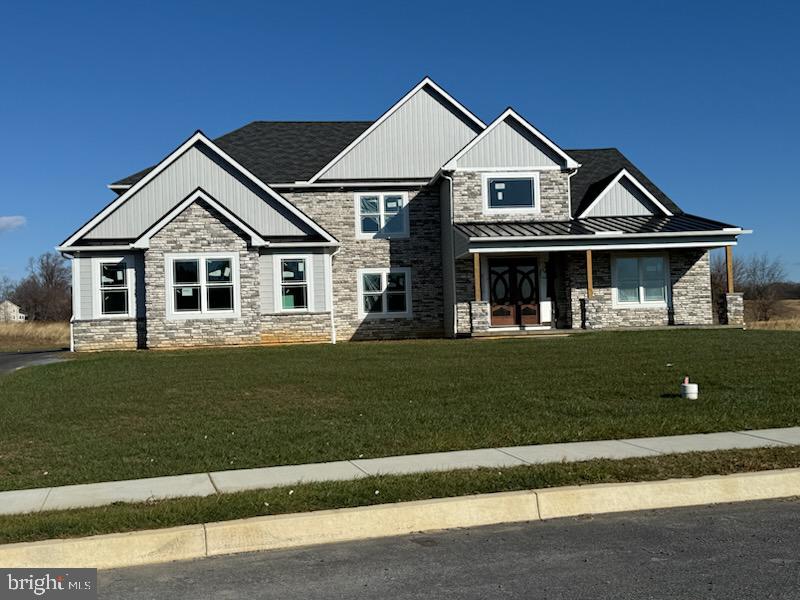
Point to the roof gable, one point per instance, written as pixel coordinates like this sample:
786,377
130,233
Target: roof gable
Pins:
511,142
624,196
198,163
599,166
409,141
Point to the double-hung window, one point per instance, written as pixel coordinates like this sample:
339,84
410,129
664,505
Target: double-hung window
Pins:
640,280
294,279
510,192
383,214
114,292
384,292
203,285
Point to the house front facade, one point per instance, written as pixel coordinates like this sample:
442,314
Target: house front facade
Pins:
427,222
10,312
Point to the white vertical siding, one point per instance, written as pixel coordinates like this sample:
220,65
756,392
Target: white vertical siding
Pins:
86,290
414,142
623,199
198,167
510,146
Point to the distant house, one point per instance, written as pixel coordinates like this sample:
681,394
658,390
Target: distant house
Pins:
426,222
10,312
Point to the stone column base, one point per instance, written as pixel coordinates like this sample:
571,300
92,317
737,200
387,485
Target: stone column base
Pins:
734,309
479,314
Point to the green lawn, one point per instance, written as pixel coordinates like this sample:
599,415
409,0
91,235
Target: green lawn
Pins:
125,415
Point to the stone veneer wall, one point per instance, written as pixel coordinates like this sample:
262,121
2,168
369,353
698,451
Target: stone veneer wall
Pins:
294,328
690,278
108,334
734,309
200,228
335,211
468,198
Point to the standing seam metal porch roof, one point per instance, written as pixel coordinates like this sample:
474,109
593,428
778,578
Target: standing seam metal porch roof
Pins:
644,224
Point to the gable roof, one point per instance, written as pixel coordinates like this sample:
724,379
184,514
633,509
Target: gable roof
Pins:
511,115
199,138
599,167
624,174
442,98
281,151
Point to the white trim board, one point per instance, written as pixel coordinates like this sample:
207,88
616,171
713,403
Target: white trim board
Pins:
197,137
427,81
635,182
570,162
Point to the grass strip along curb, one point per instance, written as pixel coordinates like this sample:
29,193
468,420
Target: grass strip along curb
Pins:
402,518
309,497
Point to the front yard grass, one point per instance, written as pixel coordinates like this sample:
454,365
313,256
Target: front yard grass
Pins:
123,415
380,490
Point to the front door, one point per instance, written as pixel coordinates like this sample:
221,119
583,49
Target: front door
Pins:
513,292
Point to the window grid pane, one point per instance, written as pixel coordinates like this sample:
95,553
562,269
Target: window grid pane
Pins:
113,275
293,270
115,302
381,213
187,271
187,298
294,297
220,297
218,270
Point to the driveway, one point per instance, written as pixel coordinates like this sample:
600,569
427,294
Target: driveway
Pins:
11,361
743,551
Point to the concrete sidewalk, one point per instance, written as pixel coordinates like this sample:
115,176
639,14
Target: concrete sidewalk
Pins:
206,484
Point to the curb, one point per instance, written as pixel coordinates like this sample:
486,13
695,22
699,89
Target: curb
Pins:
385,520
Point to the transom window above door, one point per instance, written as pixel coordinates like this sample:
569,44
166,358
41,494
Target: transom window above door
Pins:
510,192
381,215
202,286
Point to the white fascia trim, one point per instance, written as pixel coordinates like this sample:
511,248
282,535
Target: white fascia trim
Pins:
425,82
117,248
533,238
535,249
302,245
418,182
144,240
118,186
199,136
635,182
510,112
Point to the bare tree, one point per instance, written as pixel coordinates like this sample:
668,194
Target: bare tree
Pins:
762,284
7,286
44,293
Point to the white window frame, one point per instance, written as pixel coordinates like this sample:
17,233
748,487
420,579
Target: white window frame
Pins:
384,273
537,197
203,313
641,303
130,286
278,282
361,235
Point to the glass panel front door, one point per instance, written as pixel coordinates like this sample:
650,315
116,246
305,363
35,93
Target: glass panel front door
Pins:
513,292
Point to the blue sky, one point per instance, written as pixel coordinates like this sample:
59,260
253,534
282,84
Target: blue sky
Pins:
702,96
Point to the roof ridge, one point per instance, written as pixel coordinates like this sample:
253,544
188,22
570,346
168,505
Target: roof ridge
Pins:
307,121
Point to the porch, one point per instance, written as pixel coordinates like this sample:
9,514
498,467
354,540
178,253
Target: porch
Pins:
599,273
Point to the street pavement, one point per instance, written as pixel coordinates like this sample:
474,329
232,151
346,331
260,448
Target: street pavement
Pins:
737,551
11,361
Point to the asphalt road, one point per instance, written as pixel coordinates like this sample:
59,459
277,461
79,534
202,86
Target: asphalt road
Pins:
11,361
738,551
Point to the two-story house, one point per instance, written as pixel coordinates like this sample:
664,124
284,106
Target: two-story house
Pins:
425,222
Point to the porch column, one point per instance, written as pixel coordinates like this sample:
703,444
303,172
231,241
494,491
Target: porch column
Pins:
476,268
729,267
589,283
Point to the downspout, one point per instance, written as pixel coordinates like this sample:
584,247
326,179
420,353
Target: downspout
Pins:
330,292
452,254
72,298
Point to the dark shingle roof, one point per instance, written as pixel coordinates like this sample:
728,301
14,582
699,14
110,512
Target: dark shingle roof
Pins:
591,225
289,151
598,167
283,151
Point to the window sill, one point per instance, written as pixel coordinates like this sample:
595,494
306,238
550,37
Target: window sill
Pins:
640,305
191,316
511,211
385,316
